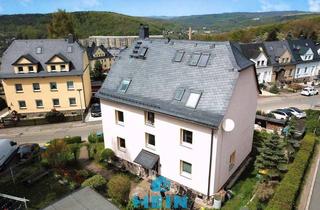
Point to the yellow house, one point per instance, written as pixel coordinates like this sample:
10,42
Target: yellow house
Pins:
100,54
44,74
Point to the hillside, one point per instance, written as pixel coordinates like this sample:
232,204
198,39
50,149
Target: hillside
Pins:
307,27
230,21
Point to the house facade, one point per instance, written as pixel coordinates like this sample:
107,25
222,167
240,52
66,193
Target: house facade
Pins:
99,54
307,59
181,109
256,52
44,74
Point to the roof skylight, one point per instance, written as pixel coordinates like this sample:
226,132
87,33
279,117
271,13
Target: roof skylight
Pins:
179,94
124,85
194,59
143,51
193,100
178,56
39,50
204,59
69,49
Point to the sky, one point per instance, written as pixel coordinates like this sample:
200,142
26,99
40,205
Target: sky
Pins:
157,7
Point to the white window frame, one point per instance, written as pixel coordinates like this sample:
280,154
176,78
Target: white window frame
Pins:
75,101
190,99
72,88
147,121
37,104
56,89
150,146
54,104
18,91
185,173
117,117
22,107
185,143
34,90
123,149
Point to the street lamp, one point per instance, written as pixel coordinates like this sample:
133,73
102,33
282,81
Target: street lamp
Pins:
82,117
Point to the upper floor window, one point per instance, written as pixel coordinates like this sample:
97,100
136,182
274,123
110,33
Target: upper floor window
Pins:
19,88
31,69
22,104
63,67
56,102
258,63
70,85
53,86
39,103
149,118
186,136
262,63
150,141
53,68
193,100
20,69
119,117
36,87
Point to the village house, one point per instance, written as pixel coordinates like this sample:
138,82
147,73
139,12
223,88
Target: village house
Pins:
181,109
99,54
44,74
256,52
307,59
282,61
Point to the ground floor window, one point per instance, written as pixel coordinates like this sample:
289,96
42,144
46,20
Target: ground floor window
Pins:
185,169
121,143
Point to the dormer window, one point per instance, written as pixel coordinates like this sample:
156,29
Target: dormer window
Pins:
53,68
31,69
20,69
258,63
63,67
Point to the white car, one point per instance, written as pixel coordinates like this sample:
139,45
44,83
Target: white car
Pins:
297,112
309,91
280,115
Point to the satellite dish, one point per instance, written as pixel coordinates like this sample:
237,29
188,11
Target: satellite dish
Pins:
228,125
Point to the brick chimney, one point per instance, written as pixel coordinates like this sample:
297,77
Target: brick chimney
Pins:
70,38
143,31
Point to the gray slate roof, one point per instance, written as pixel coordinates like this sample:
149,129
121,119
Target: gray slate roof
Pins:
275,49
300,47
253,50
92,50
50,47
154,81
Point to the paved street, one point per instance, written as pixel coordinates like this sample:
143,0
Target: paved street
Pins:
287,100
41,134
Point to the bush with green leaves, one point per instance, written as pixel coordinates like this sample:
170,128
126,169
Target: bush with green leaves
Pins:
93,138
95,150
107,154
288,189
97,182
313,122
119,188
55,116
73,139
57,153
274,89
75,150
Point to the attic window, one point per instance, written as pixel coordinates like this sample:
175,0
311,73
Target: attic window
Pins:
124,85
194,59
69,49
39,50
178,56
193,100
204,59
179,94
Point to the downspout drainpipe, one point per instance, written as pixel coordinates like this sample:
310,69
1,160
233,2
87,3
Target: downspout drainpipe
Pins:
209,177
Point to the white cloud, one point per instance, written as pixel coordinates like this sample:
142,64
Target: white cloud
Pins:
267,5
314,5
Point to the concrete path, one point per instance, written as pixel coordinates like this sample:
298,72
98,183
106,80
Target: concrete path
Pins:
43,133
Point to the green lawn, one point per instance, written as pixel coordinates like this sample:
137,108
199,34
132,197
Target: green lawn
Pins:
40,194
243,190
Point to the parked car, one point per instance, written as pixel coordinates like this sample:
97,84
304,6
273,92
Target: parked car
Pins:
29,151
8,150
281,114
309,91
95,110
297,112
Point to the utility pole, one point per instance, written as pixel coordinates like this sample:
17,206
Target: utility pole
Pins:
82,117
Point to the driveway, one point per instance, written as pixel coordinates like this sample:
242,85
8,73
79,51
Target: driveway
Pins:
89,118
43,133
267,103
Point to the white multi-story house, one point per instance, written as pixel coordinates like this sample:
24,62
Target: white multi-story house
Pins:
181,109
256,52
307,58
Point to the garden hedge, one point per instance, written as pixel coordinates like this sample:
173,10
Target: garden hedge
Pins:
288,189
73,140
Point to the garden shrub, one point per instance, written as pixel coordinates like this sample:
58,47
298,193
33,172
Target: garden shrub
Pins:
83,173
94,150
93,138
288,189
97,182
75,150
55,116
119,188
73,139
57,153
295,86
274,89
313,122
106,154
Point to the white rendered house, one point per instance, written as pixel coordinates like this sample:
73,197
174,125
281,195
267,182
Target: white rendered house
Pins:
181,109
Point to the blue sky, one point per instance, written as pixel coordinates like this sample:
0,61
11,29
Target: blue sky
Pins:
157,7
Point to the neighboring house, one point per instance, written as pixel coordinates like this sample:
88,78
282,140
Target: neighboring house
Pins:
282,61
43,74
99,54
256,52
181,109
307,58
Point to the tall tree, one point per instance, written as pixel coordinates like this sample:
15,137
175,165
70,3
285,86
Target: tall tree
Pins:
61,24
272,35
313,36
